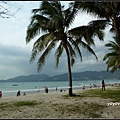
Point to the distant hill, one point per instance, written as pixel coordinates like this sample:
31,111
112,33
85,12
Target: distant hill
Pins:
87,75
29,78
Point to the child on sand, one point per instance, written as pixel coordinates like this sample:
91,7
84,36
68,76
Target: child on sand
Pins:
24,94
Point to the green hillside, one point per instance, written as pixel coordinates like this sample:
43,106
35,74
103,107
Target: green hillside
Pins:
87,75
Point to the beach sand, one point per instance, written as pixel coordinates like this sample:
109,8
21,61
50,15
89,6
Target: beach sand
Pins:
56,105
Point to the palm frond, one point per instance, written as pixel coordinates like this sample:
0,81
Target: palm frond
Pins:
82,32
109,55
58,53
87,32
112,64
94,8
47,9
71,50
88,48
72,61
41,60
113,58
38,46
70,14
101,24
35,11
75,45
32,32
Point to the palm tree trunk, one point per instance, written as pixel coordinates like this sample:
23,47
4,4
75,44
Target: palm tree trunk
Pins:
69,71
117,31
118,34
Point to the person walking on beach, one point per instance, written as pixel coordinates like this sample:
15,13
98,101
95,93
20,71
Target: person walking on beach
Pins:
103,85
56,88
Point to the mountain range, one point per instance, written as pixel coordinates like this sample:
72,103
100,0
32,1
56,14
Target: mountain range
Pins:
86,75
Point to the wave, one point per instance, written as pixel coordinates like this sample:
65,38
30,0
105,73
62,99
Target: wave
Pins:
8,90
41,89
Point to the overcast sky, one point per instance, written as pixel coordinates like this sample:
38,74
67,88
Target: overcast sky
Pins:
15,53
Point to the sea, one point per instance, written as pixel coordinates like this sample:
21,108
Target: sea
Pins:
8,89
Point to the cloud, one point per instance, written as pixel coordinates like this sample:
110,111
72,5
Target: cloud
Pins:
15,53
14,60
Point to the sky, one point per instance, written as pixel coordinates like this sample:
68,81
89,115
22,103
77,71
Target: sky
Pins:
15,53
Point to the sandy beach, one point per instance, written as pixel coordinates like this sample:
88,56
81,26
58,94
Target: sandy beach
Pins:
57,105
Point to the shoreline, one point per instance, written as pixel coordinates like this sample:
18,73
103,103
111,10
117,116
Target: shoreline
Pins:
34,91
56,105
34,88
58,91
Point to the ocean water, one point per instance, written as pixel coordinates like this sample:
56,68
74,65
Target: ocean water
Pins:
33,87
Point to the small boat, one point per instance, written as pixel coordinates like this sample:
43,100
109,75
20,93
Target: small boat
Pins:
15,85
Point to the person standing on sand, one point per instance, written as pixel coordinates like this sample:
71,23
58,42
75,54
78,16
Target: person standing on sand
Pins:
18,93
46,89
103,85
90,85
56,88
0,94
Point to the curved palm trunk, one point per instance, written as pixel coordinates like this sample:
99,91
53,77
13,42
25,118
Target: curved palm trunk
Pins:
117,31
118,34
69,71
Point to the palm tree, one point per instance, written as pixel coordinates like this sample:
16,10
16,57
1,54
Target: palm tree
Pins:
113,58
51,23
108,12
